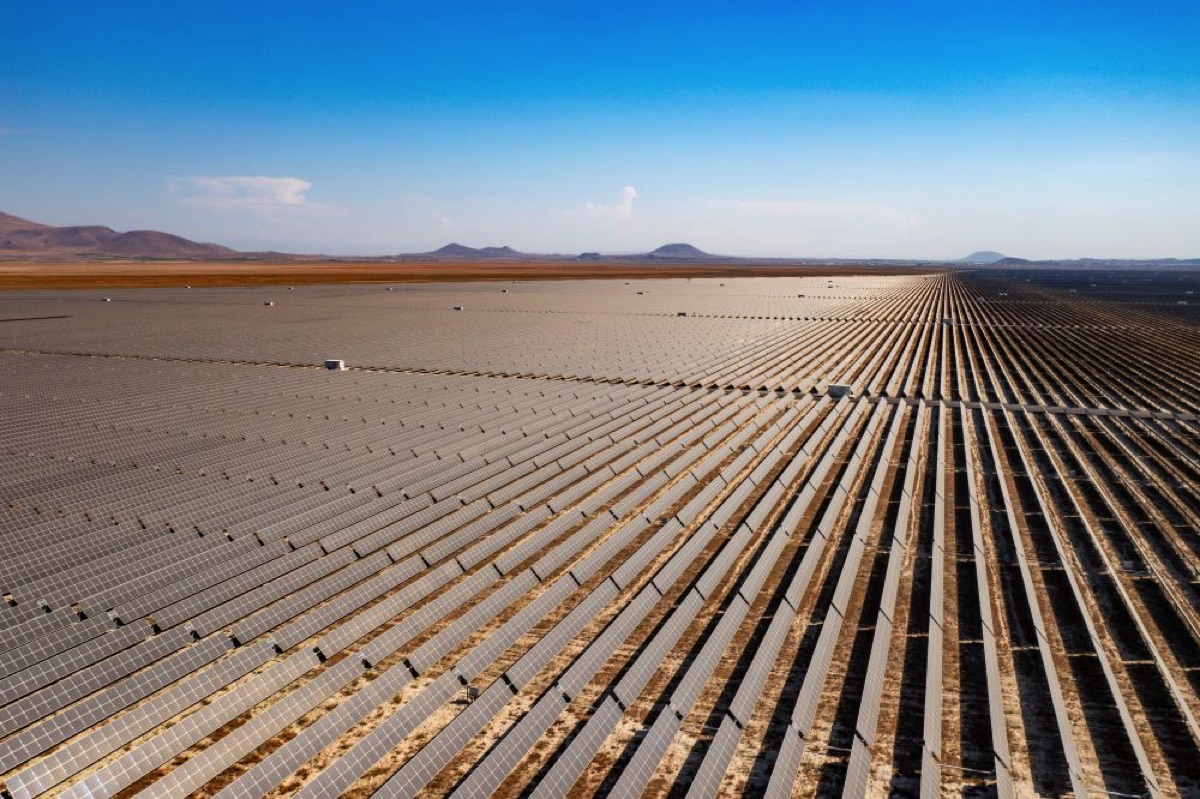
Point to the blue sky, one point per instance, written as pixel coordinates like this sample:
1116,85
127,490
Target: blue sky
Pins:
866,129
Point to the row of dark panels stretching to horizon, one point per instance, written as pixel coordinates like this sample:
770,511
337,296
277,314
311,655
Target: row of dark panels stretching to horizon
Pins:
863,536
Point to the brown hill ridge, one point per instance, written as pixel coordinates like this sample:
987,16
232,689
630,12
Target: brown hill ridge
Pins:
22,236
456,250
9,223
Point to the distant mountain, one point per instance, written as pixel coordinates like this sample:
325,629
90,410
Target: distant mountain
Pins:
151,243
679,250
9,223
983,257
676,251
1102,263
455,250
21,236
75,237
22,239
668,252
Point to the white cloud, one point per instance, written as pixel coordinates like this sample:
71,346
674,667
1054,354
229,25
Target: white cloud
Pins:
442,221
233,193
623,207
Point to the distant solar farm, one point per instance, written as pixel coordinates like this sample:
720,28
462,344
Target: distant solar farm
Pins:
861,536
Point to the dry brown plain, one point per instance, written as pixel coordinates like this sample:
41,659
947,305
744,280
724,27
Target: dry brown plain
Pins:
166,274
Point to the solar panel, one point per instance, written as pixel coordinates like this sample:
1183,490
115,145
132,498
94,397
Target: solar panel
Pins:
452,636
707,782
787,765
649,660
524,670
638,771
560,497
413,775
487,776
79,684
342,773
195,773
579,673
157,750
568,766
38,737
111,736
268,773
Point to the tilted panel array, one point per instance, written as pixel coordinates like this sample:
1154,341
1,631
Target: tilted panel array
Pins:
852,535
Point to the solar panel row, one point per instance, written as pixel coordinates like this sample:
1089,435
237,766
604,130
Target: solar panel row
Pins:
621,568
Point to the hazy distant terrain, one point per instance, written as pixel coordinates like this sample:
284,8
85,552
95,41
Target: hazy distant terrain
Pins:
21,239
21,236
983,257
